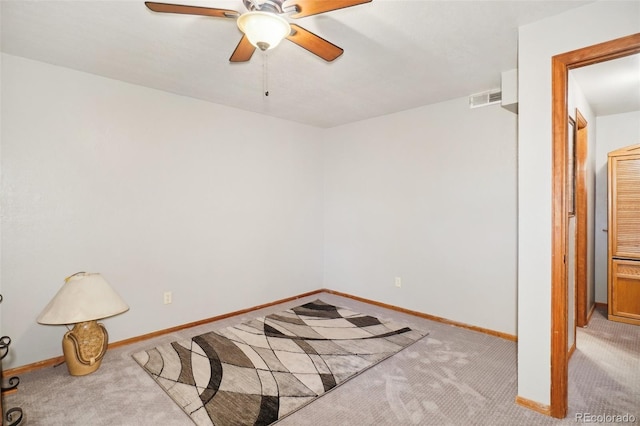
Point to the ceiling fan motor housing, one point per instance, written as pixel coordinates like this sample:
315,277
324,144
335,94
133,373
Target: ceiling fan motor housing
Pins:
273,6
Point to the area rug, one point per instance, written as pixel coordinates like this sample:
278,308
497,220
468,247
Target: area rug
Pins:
259,371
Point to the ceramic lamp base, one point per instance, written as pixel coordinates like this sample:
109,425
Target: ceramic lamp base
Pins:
84,347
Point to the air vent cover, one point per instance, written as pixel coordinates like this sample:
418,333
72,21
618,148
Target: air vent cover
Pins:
489,97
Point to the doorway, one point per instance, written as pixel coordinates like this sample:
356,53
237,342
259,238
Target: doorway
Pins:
578,237
582,219
561,64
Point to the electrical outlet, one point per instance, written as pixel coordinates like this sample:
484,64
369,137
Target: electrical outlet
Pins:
398,282
167,297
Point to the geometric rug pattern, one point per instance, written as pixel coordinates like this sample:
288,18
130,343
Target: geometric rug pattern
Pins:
257,372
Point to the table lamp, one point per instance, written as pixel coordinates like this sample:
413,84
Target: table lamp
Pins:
83,299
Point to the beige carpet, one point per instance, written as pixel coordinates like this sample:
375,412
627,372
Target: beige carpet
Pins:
451,377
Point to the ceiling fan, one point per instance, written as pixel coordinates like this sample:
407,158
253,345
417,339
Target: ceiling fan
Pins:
263,25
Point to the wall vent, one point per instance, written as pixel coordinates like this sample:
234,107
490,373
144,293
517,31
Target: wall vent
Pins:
489,97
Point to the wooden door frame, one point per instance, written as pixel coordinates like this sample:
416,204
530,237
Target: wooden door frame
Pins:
560,66
582,216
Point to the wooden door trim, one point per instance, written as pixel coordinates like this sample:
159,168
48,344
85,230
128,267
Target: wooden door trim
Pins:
560,66
582,219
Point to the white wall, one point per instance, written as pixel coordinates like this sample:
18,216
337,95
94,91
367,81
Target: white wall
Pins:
227,209
538,42
1,209
613,132
158,193
428,195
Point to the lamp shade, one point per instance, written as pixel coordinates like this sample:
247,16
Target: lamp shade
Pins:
83,297
264,30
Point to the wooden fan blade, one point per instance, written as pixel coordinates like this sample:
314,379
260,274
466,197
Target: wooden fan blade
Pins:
191,10
314,7
314,44
244,50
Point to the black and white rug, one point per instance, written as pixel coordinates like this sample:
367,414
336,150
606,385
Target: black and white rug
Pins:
259,371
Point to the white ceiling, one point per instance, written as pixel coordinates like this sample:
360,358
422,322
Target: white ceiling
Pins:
398,54
611,87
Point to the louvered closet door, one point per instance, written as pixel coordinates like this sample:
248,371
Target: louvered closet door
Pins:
624,235
626,207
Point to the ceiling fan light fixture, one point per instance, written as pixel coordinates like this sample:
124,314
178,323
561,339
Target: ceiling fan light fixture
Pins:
265,30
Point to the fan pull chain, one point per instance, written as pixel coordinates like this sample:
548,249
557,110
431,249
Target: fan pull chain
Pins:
265,74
